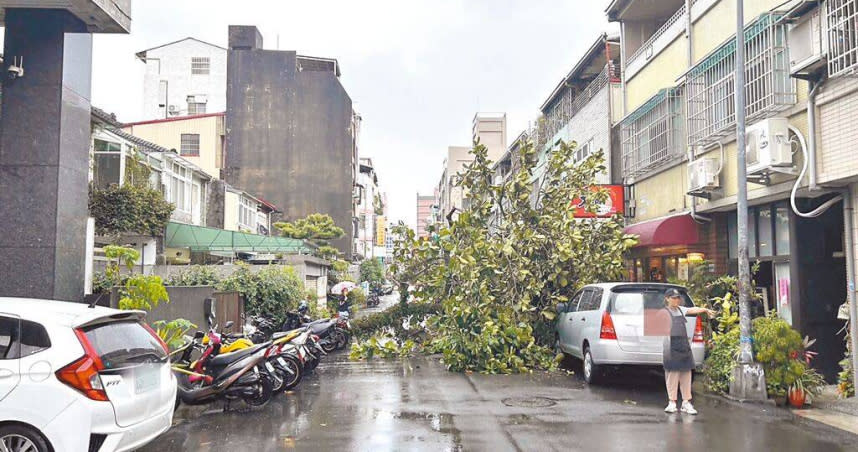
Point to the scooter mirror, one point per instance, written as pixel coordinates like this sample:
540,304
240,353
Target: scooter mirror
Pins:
199,335
228,325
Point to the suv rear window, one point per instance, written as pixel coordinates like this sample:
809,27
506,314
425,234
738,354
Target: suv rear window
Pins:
633,300
123,343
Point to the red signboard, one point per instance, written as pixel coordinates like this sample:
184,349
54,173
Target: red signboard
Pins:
614,205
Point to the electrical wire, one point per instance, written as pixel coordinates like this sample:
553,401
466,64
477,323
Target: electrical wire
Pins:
827,204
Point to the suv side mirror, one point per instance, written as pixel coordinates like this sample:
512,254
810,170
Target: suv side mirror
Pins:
561,308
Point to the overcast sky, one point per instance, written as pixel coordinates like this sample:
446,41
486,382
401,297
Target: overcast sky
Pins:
417,71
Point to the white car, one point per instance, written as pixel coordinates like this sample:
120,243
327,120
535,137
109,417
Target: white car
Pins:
75,378
606,325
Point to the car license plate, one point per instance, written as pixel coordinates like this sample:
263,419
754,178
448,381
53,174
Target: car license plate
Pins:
269,366
146,378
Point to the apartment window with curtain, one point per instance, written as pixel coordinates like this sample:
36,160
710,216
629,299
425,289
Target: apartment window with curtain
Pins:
190,145
200,65
768,232
196,108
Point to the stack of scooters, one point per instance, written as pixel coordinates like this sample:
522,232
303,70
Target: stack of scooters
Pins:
264,360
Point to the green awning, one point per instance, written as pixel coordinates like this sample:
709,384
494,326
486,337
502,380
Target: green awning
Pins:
200,238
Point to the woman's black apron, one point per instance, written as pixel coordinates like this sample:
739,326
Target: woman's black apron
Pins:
677,350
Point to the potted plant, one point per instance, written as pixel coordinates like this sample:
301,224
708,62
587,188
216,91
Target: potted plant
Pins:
797,394
808,385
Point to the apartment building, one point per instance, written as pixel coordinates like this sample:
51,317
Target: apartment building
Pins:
291,132
450,194
425,213
679,154
199,139
583,107
370,207
490,130
184,77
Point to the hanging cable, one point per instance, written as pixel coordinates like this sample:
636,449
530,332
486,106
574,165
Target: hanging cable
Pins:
827,204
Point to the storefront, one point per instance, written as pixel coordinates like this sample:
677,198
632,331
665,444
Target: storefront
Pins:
666,249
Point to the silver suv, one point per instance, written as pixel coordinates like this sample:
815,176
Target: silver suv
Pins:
604,324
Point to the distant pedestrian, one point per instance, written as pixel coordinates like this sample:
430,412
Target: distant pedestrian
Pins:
678,360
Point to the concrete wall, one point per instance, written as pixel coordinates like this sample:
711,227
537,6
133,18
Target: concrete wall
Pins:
169,135
172,63
837,135
289,136
230,211
490,129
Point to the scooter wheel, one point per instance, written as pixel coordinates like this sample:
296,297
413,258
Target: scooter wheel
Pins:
293,379
264,391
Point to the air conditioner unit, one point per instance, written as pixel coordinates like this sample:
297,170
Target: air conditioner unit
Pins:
768,147
703,175
808,42
173,109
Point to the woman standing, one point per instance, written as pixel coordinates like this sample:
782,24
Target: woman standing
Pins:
678,360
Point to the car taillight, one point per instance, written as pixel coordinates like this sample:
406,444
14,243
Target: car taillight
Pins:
607,331
698,331
82,374
155,335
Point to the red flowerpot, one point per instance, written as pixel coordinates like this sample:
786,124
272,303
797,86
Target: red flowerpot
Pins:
797,397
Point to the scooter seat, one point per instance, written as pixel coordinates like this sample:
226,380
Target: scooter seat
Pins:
231,357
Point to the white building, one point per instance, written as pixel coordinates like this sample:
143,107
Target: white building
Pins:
185,77
370,206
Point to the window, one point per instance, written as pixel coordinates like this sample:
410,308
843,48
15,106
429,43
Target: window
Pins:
8,338
122,343
196,108
591,300
583,150
764,232
200,65
107,163
842,36
653,136
177,184
21,338
573,306
782,229
246,214
190,145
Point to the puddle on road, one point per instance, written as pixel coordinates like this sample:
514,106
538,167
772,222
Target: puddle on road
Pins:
439,422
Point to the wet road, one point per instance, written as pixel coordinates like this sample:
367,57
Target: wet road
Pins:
384,302
416,404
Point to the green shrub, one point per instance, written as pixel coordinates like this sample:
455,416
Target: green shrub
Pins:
270,292
845,382
372,271
719,364
778,348
129,209
143,293
195,275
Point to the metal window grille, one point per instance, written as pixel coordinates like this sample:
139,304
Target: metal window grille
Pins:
196,108
842,17
200,65
768,86
190,145
653,136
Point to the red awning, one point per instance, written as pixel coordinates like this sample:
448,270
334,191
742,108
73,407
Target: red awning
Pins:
668,231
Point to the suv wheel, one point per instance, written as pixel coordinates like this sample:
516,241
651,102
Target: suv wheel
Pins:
18,438
592,372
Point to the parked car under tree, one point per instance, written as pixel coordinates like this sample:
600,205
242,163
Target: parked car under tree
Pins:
609,324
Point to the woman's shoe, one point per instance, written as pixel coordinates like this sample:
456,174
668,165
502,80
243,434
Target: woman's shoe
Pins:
687,407
671,407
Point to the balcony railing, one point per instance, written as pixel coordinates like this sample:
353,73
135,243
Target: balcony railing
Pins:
659,40
710,85
842,19
653,136
570,104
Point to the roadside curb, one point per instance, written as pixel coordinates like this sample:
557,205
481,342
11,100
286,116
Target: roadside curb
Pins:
817,418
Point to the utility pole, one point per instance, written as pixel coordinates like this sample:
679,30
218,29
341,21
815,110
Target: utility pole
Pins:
748,379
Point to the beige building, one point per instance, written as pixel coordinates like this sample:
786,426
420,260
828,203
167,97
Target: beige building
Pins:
198,138
490,130
450,195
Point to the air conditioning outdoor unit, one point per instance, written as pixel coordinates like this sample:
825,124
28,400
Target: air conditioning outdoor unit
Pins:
768,146
703,176
808,42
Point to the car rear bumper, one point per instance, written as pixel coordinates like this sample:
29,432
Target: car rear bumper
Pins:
137,435
608,352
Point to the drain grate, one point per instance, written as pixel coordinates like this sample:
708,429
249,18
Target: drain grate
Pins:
529,402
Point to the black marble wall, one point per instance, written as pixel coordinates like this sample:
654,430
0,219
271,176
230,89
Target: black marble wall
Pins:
44,155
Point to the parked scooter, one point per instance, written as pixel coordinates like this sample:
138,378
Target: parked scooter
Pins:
241,374
333,333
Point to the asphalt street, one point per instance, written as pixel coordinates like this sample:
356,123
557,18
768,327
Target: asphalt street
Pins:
415,404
